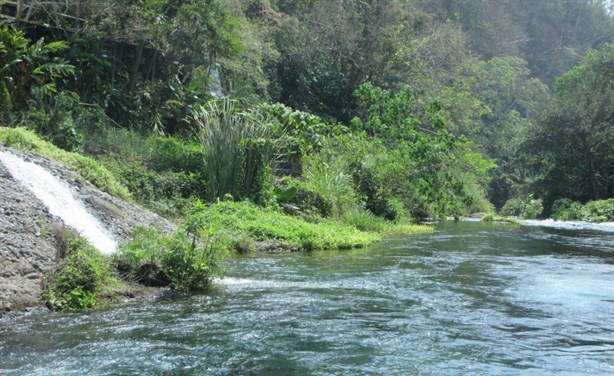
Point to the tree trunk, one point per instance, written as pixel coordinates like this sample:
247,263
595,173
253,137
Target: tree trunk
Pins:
19,11
135,65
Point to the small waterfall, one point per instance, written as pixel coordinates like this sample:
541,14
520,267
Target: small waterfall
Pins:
60,200
215,87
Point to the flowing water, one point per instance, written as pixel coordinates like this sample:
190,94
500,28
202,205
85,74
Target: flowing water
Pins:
59,199
470,299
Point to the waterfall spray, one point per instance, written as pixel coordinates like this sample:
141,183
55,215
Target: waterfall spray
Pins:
60,200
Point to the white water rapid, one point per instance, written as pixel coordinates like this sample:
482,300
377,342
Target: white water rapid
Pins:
57,196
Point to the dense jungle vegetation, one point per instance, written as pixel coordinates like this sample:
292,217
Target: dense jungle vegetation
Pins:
367,113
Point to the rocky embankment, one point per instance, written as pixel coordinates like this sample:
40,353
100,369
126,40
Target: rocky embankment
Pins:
27,244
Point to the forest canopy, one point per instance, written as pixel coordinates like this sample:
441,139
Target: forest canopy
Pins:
390,107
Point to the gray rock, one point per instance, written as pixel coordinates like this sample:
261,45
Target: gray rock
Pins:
27,248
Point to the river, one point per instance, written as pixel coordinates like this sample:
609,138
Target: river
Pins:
469,299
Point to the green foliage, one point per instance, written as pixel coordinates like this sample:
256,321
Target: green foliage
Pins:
431,171
55,122
90,170
173,154
364,220
598,211
193,252
326,175
263,225
144,248
373,191
572,141
162,173
29,71
593,211
237,147
565,209
527,207
264,188
190,257
80,277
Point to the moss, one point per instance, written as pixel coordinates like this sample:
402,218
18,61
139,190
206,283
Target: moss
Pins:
23,139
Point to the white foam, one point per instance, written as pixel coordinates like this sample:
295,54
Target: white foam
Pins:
58,197
571,225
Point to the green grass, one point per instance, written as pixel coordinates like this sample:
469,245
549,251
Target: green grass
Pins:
25,140
366,221
244,219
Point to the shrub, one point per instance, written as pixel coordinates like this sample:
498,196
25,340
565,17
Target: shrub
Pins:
163,192
55,123
327,177
172,154
187,259
565,209
370,187
81,275
598,211
528,208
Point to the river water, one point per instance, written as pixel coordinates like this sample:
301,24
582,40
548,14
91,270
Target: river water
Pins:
470,299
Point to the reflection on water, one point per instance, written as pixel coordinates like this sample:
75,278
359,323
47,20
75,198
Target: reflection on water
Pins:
471,298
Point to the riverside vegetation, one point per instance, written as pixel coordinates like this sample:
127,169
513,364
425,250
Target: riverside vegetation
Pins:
394,112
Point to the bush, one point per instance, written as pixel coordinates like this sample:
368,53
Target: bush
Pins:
172,154
527,208
81,275
369,186
187,259
326,176
593,211
598,211
163,192
565,209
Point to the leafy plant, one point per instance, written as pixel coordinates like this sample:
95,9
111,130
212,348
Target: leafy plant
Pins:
29,70
187,259
81,275
527,207
237,147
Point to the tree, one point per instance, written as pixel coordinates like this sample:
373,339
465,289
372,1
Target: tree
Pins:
329,48
572,140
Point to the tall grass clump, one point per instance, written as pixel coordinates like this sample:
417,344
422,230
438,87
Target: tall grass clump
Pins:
328,178
237,148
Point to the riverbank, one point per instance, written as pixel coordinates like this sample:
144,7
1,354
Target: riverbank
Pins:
33,242
28,231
